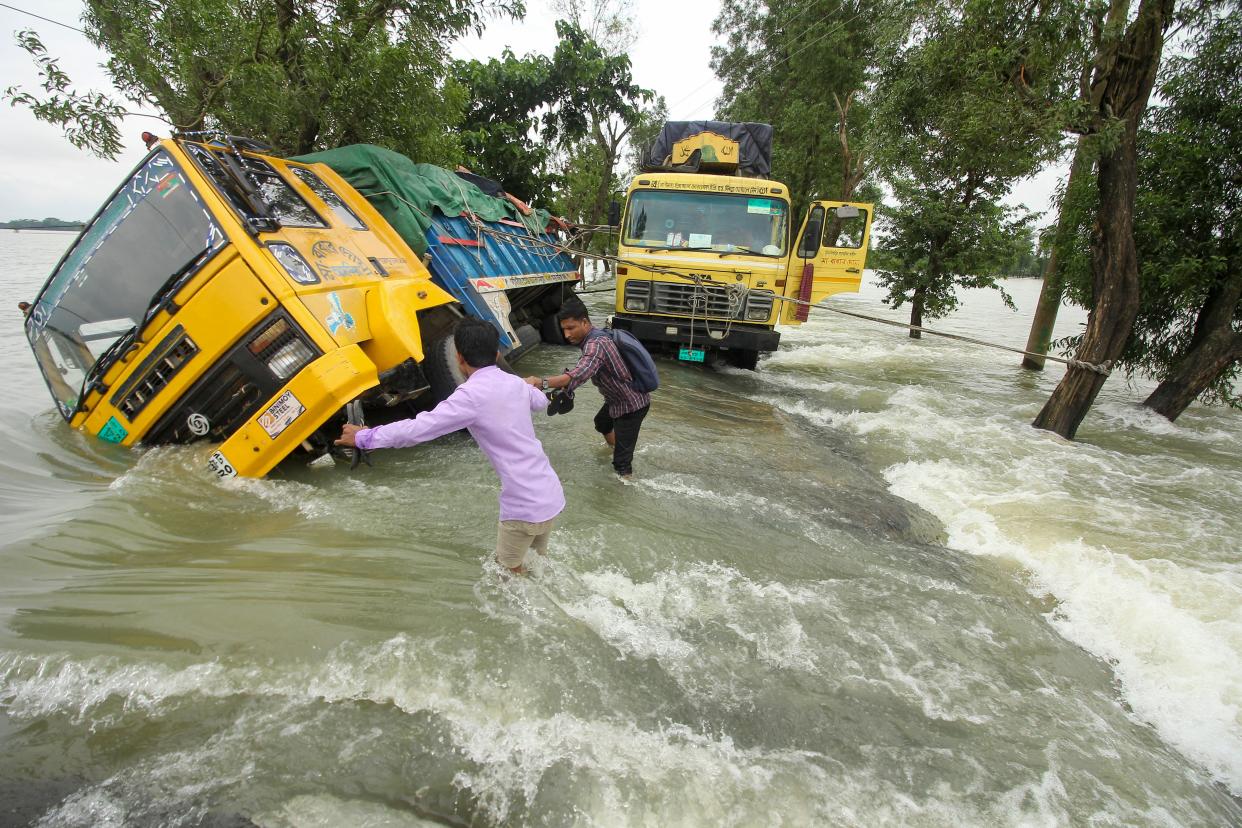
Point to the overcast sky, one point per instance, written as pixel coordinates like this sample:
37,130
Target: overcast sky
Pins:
42,174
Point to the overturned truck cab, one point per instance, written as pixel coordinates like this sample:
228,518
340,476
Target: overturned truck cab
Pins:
228,296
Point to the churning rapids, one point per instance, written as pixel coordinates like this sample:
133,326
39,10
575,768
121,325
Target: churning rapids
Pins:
853,588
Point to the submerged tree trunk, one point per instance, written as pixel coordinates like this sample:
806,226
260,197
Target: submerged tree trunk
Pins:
1195,373
1214,347
1040,338
1125,74
917,304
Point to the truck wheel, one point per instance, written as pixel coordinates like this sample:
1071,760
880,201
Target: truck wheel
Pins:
550,330
745,358
441,367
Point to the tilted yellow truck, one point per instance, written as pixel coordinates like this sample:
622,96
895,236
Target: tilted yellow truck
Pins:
705,253
227,296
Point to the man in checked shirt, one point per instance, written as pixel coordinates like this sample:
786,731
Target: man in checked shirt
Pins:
624,408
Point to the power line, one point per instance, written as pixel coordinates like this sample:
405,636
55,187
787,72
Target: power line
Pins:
45,19
677,102
794,54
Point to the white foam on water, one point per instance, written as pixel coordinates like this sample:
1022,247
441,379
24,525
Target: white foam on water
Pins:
89,808
653,619
34,687
1172,632
667,774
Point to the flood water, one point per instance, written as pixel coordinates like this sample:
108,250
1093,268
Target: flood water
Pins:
853,588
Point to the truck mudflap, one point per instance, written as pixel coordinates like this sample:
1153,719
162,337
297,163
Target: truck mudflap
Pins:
676,332
315,394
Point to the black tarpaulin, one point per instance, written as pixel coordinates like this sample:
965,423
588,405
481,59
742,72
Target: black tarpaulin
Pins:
754,142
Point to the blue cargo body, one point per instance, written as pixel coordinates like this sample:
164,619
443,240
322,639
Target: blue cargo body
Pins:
495,273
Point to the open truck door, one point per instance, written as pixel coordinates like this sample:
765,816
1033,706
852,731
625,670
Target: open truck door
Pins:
829,258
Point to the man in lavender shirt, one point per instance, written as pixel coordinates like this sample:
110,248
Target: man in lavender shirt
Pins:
495,407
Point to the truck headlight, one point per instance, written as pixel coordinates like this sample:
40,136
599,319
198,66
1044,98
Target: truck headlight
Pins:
293,263
637,296
279,346
758,313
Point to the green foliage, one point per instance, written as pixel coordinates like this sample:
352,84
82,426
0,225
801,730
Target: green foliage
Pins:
782,63
89,119
1188,212
298,74
553,126
969,107
500,128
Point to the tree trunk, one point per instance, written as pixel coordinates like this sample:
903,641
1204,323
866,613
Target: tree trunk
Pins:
1122,84
1214,347
1194,372
916,311
1040,338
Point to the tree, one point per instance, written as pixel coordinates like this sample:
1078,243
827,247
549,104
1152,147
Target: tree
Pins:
801,66
1187,228
1127,59
599,102
1053,289
500,129
968,108
298,74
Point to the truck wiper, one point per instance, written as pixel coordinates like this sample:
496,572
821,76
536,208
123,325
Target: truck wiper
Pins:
737,250
91,382
679,247
162,298
245,187
120,346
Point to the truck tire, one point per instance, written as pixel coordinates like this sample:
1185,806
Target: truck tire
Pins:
441,368
745,358
550,330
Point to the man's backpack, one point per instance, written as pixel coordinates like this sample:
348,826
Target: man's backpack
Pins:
643,373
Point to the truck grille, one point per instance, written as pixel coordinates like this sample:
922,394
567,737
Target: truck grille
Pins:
687,299
154,374
237,386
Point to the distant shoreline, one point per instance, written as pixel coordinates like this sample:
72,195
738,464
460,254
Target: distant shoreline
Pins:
68,228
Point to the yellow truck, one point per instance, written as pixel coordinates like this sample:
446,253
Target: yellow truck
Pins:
228,296
705,256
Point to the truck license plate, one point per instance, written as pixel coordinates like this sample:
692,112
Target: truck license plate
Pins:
221,466
691,355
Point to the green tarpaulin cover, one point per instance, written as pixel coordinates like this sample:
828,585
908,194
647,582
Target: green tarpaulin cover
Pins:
408,194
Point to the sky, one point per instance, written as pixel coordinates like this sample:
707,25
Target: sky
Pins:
42,174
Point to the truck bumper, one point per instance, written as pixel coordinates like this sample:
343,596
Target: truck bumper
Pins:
319,391
674,333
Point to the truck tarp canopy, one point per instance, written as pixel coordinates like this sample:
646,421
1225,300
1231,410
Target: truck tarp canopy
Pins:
754,144
407,194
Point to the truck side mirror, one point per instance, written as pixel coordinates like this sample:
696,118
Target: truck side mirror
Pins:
614,214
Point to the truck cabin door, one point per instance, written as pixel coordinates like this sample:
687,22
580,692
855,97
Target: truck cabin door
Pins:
829,259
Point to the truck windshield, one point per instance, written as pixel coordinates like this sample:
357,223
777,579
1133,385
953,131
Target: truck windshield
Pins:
153,229
722,222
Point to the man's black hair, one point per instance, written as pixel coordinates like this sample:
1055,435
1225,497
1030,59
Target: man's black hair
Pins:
477,342
573,309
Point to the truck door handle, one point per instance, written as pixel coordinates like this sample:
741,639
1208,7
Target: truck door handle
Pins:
851,270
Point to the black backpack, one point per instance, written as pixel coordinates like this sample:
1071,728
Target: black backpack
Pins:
644,376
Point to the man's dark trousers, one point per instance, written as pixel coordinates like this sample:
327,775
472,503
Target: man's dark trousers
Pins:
626,433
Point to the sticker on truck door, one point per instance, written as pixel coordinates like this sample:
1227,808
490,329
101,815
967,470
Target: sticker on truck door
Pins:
281,414
222,468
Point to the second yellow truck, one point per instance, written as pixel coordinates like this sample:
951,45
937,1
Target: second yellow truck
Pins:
707,263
